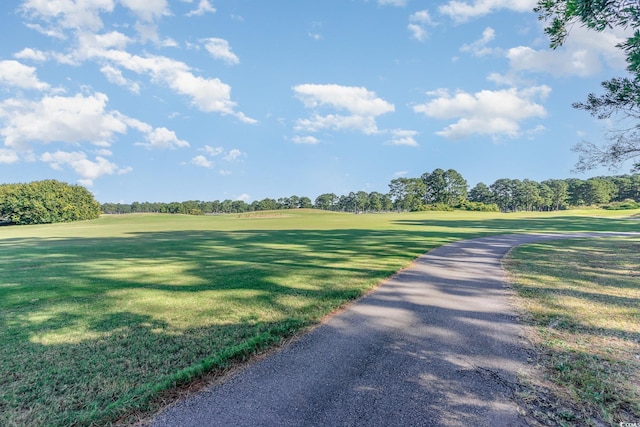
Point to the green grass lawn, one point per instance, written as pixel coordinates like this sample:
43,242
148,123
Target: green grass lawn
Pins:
582,298
97,318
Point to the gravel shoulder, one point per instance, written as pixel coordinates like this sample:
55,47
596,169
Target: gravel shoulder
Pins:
436,344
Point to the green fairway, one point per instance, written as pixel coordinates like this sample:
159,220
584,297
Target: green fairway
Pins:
98,317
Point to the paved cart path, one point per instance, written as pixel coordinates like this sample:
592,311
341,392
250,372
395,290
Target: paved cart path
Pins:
437,344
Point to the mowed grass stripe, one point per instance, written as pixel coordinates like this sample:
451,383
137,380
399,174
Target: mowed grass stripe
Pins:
96,318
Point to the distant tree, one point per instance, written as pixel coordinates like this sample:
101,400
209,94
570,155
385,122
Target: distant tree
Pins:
267,205
456,188
435,186
559,192
447,187
326,201
527,195
374,201
407,193
502,191
598,191
480,193
305,203
574,190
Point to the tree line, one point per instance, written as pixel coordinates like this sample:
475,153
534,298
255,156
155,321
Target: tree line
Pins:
436,190
44,202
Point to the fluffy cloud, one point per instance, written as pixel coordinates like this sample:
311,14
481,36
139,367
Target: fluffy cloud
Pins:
305,139
417,23
207,94
479,47
89,170
361,105
8,156
162,138
356,100
203,7
403,137
361,108
147,10
398,3
486,112
219,49
461,11
73,119
31,54
69,14
13,73
202,161
212,151
233,155
584,54
115,76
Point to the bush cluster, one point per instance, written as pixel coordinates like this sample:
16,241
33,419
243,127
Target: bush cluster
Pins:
45,202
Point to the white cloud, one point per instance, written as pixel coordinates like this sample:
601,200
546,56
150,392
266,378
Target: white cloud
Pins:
362,106
398,3
417,23
212,151
31,54
403,137
68,14
356,100
479,47
305,139
421,16
115,76
219,49
72,119
146,10
486,112
400,174
89,170
462,11
233,155
162,138
202,161
244,197
14,73
209,95
8,156
584,54
203,7
418,32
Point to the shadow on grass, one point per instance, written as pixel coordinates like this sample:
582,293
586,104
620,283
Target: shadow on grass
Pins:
94,327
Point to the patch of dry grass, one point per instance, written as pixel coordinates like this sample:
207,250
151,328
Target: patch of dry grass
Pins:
582,299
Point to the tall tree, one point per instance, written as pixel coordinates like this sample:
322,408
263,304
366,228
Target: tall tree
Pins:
480,193
455,189
621,96
559,192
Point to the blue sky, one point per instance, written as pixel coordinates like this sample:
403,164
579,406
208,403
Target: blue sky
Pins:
172,100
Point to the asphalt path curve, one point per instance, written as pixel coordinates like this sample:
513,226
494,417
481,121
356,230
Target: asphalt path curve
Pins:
436,345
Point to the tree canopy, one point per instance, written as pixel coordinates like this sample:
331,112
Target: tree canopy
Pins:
43,202
621,96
